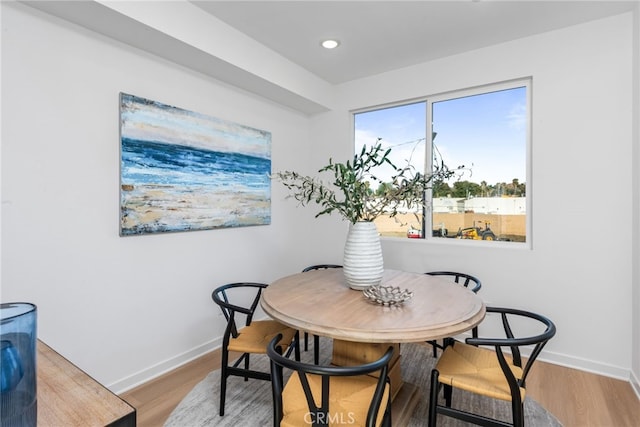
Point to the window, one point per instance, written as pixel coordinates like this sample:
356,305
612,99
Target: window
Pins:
482,134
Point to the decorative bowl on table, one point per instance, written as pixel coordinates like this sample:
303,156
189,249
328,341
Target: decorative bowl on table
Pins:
387,295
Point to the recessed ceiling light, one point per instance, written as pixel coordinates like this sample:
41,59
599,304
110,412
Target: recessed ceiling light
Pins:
330,44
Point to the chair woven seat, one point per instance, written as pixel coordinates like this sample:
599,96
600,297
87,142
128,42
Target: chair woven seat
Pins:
330,395
255,337
349,400
238,302
497,373
476,370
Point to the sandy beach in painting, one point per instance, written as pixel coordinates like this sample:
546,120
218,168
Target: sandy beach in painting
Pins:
156,208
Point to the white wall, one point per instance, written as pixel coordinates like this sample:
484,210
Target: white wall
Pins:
579,269
127,308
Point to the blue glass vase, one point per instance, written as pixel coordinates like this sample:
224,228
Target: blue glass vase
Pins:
18,365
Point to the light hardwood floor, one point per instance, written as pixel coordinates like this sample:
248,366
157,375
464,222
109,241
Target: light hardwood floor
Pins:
576,398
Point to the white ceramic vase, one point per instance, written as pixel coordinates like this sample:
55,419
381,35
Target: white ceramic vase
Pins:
362,262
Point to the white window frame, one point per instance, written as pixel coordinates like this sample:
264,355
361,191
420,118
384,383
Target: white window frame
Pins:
479,90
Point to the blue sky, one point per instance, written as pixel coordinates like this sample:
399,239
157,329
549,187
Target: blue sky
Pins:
486,133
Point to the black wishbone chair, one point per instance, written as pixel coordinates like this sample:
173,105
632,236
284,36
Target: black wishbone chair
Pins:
316,338
489,372
317,395
463,279
252,337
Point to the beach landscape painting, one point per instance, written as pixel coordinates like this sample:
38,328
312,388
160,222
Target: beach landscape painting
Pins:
183,171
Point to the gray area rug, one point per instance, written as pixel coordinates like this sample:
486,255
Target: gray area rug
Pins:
250,403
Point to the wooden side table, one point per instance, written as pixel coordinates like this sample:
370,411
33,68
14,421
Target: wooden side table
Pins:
68,397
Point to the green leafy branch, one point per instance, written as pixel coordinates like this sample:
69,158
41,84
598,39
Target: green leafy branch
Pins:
350,193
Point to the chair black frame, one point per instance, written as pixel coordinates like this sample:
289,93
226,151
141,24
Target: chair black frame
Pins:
278,362
468,280
220,297
498,344
316,338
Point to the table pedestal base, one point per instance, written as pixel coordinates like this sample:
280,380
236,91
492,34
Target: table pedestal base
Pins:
404,395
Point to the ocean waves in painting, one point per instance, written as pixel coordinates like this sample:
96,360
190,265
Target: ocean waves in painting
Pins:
171,187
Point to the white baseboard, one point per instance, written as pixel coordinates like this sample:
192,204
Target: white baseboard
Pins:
586,365
163,367
635,383
168,365
575,362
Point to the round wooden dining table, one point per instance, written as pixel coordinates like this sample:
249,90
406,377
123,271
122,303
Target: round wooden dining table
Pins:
320,302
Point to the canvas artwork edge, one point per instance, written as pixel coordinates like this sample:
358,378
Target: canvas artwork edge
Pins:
182,170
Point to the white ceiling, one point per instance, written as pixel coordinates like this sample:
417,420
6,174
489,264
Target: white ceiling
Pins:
378,36
271,48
